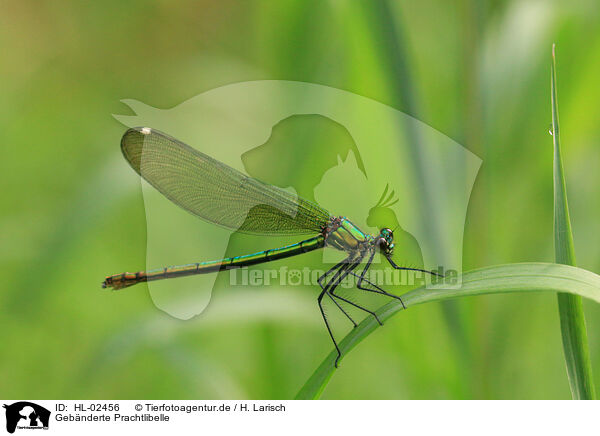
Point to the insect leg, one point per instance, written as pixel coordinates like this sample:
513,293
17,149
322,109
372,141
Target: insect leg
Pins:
339,267
393,264
319,300
342,265
377,290
332,290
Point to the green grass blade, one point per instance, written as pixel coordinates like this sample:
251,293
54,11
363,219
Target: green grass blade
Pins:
518,277
570,308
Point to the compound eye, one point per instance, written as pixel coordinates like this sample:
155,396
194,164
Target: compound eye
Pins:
388,235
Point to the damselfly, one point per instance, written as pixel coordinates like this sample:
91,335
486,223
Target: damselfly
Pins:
222,195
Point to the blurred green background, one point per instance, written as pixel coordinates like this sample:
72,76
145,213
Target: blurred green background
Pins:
73,212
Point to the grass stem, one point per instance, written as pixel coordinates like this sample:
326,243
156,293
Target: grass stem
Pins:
570,307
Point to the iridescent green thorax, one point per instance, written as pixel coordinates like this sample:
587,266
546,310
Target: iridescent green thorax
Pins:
344,235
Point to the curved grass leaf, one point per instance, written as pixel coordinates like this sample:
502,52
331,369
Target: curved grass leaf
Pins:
518,277
570,308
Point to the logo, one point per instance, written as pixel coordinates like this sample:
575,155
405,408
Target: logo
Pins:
26,415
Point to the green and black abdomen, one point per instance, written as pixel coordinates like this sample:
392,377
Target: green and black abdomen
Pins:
124,280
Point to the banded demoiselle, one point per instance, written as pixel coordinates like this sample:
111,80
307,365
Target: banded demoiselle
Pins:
224,196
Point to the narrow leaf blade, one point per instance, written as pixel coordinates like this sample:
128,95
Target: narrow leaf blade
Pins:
570,307
518,277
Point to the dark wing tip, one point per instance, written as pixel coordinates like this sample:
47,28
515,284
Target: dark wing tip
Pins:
134,134
132,144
